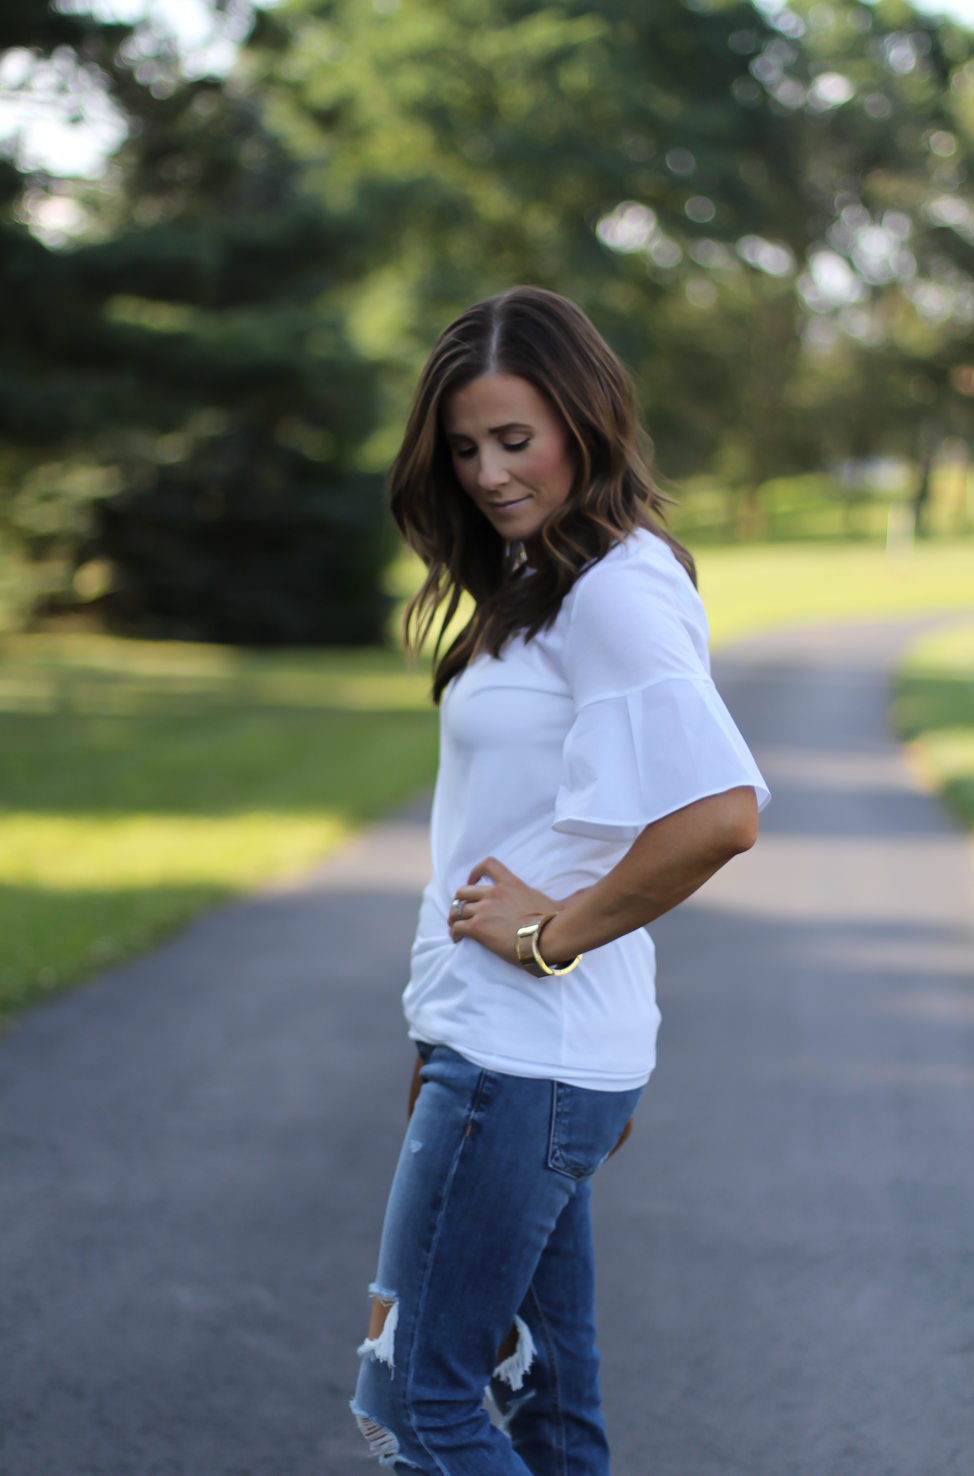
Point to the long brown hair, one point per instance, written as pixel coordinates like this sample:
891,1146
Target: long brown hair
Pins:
548,341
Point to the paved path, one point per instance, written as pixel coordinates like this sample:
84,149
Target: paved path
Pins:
194,1151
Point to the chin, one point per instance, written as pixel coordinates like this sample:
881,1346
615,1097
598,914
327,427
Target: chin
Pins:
510,532
523,529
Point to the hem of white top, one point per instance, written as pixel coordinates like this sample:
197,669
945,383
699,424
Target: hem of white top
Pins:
598,828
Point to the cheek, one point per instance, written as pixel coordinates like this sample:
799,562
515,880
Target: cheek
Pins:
550,469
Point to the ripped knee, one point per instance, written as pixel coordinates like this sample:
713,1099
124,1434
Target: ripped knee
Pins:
380,1346
380,1342
382,1443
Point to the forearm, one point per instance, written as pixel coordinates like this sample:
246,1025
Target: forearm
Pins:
665,865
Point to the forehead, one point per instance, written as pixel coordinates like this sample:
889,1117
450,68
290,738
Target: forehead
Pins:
494,400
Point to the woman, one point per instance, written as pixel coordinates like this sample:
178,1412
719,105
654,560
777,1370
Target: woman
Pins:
590,779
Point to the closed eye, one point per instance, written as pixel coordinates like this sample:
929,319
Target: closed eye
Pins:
465,452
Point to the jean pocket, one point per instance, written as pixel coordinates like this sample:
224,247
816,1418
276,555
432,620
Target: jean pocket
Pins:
585,1127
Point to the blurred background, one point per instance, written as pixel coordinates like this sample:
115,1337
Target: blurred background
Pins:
228,236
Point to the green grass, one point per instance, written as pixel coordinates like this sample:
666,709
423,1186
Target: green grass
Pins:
143,781
934,710
765,586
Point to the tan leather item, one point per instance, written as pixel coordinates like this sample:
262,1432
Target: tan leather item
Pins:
626,1133
414,1087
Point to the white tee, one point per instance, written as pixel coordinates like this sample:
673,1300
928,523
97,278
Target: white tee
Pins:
553,759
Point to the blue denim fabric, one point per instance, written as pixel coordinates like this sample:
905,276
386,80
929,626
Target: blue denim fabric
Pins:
488,1219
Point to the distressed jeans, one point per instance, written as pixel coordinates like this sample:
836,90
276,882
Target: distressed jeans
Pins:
488,1229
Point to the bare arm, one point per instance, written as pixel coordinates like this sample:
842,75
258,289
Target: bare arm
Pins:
663,866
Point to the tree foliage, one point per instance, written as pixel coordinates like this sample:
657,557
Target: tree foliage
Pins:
203,322
765,208
675,168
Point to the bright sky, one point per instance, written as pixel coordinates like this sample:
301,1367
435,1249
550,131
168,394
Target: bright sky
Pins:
961,11
39,103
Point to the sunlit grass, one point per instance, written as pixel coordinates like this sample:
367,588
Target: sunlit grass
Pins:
105,853
765,586
79,891
934,709
144,781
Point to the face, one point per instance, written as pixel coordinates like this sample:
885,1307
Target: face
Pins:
511,452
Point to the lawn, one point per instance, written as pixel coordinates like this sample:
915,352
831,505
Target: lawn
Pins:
934,710
144,781
763,586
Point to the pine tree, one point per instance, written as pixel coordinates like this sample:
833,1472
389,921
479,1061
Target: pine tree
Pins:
194,365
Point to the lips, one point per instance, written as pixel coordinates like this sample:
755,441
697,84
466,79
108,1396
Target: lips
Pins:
506,506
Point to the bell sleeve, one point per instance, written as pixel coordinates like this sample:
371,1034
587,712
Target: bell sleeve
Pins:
650,733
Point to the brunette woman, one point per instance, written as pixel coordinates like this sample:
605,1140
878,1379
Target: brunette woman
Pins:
590,779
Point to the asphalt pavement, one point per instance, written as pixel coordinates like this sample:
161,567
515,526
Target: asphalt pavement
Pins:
195,1148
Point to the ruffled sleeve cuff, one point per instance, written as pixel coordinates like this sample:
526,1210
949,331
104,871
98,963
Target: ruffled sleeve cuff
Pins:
631,759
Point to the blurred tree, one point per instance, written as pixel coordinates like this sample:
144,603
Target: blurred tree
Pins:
887,298
679,169
765,208
513,132
191,366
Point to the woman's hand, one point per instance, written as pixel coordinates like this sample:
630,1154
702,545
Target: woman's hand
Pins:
492,915
666,863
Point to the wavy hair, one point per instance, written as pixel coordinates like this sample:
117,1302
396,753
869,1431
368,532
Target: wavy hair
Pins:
548,341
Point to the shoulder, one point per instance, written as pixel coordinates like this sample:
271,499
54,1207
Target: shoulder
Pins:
635,618
643,572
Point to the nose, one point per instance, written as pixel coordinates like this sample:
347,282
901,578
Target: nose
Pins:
492,473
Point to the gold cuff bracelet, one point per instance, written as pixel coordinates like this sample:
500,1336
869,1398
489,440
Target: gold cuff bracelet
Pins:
529,955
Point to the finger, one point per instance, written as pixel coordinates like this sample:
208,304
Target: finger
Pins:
472,894
468,909
493,868
461,929
468,906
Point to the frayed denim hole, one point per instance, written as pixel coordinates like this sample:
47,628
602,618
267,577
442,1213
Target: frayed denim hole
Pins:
513,1369
382,1348
382,1443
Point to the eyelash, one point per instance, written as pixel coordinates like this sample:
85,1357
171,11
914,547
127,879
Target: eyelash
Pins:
465,455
